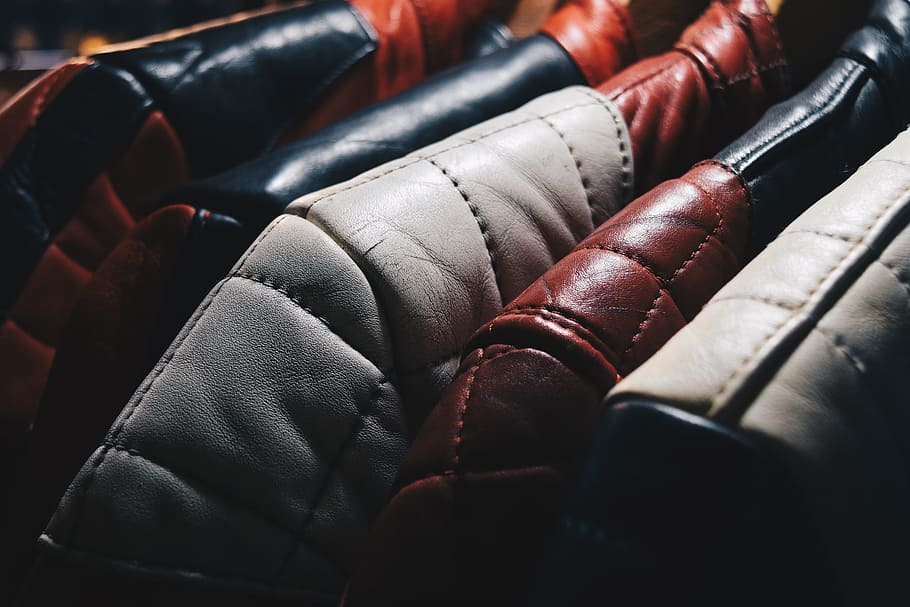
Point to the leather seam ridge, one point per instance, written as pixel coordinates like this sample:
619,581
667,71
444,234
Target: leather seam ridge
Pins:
481,224
414,157
150,382
742,370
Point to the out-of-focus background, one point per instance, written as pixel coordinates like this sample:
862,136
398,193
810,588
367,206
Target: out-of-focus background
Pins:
38,34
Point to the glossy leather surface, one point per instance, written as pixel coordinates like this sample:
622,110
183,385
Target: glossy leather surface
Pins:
257,191
260,74
295,386
686,104
596,34
486,476
805,351
672,509
136,121
443,105
848,113
483,482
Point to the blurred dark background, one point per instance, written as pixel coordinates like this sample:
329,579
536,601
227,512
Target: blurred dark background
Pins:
38,34
67,24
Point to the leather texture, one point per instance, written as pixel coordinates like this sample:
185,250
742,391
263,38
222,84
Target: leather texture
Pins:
805,352
70,191
665,495
725,70
454,100
432,110
295,387
596,33
852,110
272,67
104,138
487,474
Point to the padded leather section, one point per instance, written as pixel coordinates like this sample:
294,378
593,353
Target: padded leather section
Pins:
668,496
806,351
720,77
258,74
268,436
120,327
424,114
852,110
510,430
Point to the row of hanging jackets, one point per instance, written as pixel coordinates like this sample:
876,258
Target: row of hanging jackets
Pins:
287,321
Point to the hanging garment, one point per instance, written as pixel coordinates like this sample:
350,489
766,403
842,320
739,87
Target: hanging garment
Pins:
764,443
342,325
89,148
146,290
481,487
597,37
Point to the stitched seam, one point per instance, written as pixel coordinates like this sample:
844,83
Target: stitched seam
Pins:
413,158
201,480
634,258
585,182
153,379
743,366
459,437
652,308
560,317
331,472
264,281
459,432
842,237
615,95
712,234
624,152
756,298
481,224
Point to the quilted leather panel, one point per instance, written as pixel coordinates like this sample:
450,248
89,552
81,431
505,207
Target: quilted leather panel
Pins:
815,368
455,249
279,63
724,71
434,109
508,432
852,110
281,404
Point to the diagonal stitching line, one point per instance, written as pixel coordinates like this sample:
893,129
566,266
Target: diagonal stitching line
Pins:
742,368
413,158
139,398
481,224
264,281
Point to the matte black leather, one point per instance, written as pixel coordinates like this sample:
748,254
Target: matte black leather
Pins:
456,99
859,104
272,68
673,509
43,180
